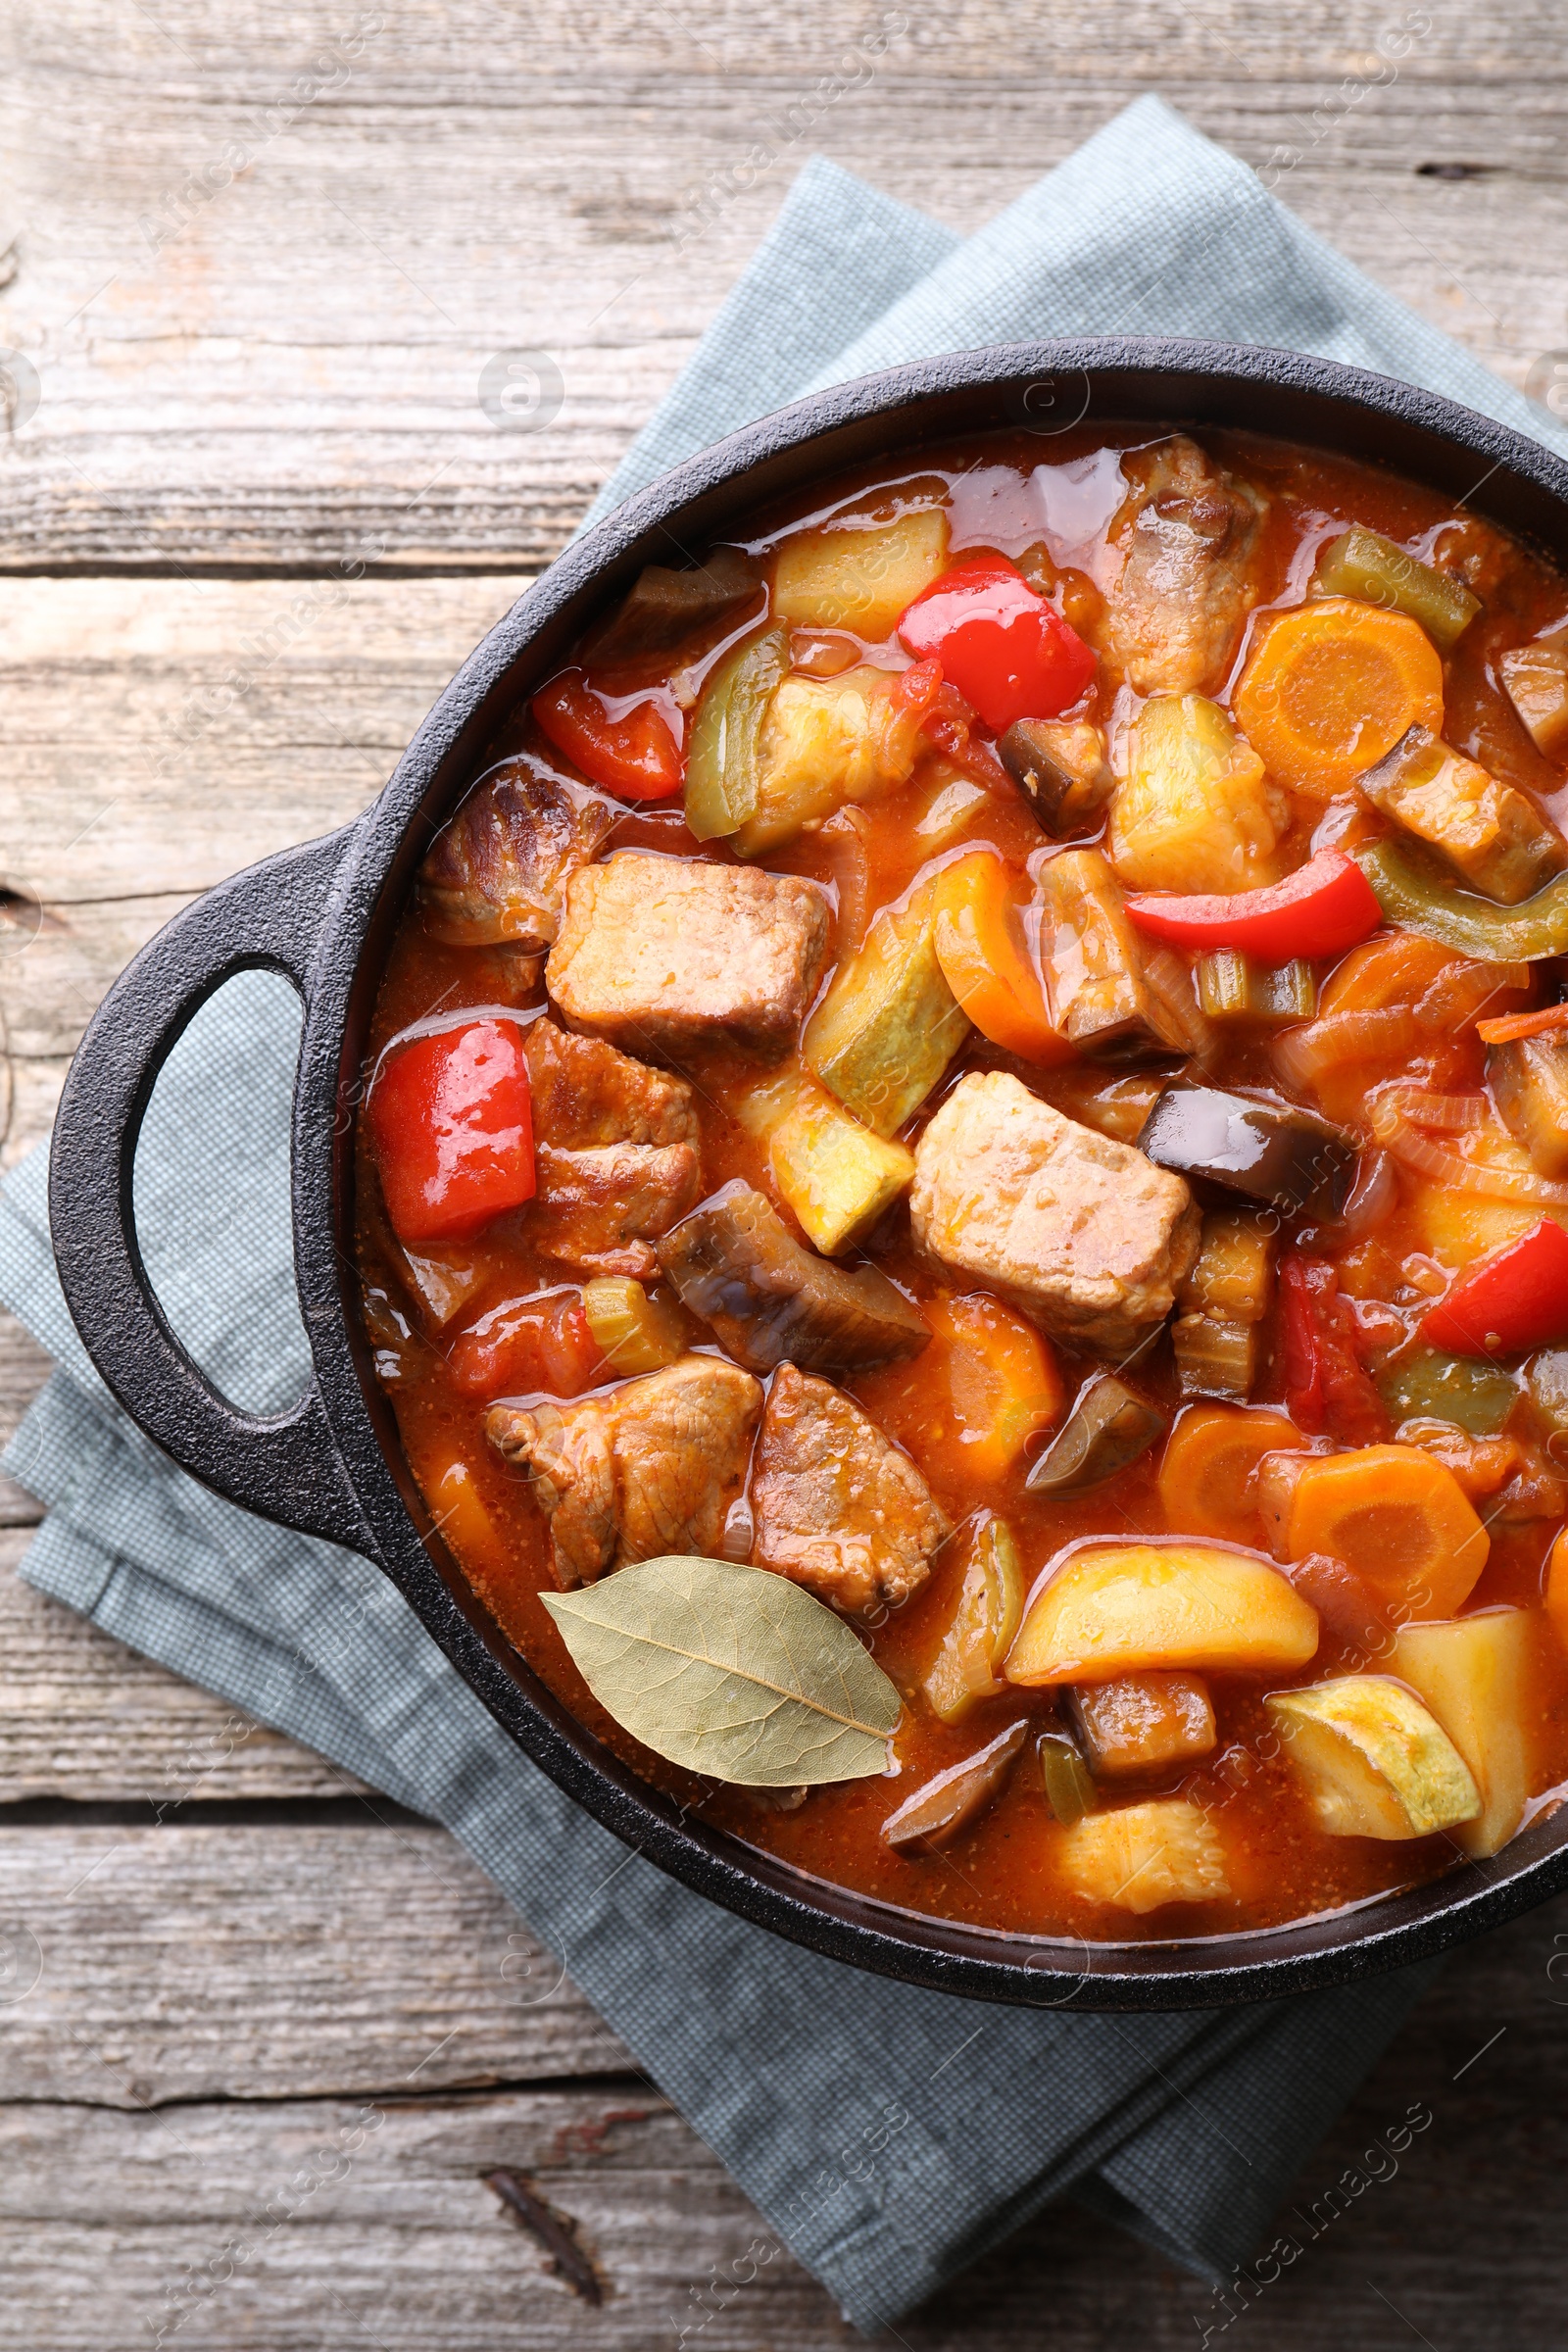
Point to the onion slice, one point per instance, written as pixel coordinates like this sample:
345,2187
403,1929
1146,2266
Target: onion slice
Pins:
1417,1151
1302,1056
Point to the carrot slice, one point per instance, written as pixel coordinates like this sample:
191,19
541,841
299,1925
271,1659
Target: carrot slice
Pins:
980,945
1523,1024
1205,1476
1558,1587
1331,686
1397,1519
1004,1382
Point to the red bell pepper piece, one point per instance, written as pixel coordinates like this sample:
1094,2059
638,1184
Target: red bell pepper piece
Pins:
1324,907
451,1117
529,1346
621,741
1006,650
1326,1388
1515,1299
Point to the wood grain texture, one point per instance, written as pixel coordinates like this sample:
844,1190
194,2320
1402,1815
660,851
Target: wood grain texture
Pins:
271,1961
84,1718
290,2224
259,321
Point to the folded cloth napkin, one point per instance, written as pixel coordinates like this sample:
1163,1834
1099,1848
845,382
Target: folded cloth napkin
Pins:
890,2135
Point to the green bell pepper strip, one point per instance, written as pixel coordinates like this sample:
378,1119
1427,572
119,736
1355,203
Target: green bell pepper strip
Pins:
721,772
1409,895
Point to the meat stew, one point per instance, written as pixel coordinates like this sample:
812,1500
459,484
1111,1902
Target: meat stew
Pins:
993,1056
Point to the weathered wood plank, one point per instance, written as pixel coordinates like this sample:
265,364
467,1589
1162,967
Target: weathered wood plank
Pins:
274,1961
278,363
84,1717
281,2225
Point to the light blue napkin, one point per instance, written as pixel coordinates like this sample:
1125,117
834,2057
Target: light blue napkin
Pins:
891,2136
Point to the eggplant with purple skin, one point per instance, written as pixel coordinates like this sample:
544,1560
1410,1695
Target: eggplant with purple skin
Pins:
1228,1144
955,1801
664,607
768,1299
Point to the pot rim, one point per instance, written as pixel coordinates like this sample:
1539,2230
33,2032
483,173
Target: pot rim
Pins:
898,410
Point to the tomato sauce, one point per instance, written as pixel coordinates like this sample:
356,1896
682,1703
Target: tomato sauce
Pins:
1006,1872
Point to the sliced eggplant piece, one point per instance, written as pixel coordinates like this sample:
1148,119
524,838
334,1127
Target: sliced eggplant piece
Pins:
1059,765
1493,835
1108,1427
935,1815
890,1024
1529,1081
767,1298
1223,1143
1143,1723
1376,1761
665,606
1100,999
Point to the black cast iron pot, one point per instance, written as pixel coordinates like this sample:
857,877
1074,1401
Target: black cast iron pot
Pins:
322,915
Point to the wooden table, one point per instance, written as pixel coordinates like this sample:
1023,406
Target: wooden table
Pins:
254,520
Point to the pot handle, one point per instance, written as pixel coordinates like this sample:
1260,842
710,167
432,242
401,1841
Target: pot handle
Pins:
286,1467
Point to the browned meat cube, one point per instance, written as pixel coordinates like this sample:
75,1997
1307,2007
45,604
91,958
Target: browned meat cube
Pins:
838,1508
738,1266
496,873
1144,1723
1080,1233
617,1153
1188,578
659,955
647,1469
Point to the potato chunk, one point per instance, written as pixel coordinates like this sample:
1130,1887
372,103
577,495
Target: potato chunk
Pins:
1142,1856
1473,1673
1195,812
825,742
1375,1761
1132,1608
1493,835
851,576
835,1174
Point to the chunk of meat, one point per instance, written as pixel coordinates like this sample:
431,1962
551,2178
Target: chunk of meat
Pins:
1189,578
495,874
1080,1233
617,1153
659,955
640,1471
738,1266
837,1507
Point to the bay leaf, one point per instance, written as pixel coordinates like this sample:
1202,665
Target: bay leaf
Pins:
731,1671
